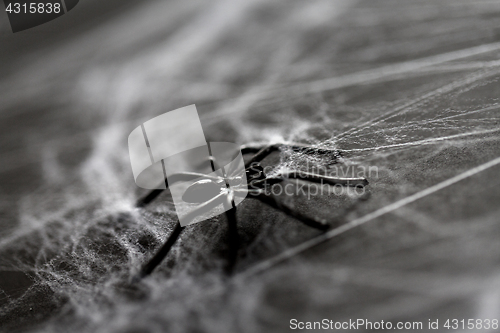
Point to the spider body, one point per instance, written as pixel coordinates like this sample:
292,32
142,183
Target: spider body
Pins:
215,190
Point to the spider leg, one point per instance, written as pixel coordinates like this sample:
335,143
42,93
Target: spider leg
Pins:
260,153
165,249
161,254
272,201
230,212
150,196
233,239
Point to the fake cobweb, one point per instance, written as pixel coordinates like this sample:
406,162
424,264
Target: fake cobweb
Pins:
419,123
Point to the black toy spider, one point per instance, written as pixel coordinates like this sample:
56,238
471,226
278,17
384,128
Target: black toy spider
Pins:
257,180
